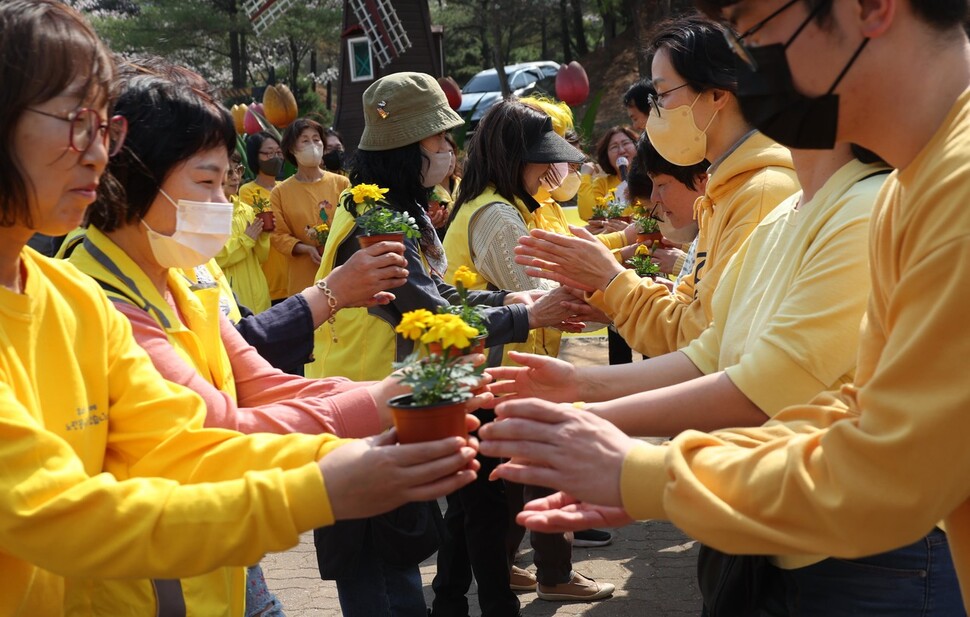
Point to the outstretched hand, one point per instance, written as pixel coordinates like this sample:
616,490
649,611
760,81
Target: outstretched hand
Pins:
579,261
375,475
561,512
542,377
559,447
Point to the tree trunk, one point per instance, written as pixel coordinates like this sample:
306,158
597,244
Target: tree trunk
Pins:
567,52
498,57
294,64
581,47
235,51
544,17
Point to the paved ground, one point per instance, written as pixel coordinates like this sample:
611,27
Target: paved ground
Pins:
651,563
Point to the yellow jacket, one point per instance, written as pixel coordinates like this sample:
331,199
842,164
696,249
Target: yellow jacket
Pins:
108,471
457,245
876,465
274,268
241,259
747,185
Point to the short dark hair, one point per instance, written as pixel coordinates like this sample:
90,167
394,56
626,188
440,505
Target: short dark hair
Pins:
941,14
254,143
45,46
172,115
638,95
332,132
698,52
603,147
293,132
648,163
496,152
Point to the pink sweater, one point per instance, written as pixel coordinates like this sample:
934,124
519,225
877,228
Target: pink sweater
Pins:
269,400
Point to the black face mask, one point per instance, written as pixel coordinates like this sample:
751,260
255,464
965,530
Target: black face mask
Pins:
770,102
272,166
334,160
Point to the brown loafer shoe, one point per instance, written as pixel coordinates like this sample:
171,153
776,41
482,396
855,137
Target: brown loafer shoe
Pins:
522,580
577,589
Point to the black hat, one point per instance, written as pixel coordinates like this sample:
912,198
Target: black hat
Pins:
546,146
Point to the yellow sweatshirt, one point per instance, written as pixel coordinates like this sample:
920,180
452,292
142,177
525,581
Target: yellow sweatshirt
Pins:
297,204
242,257
877,464
788,307
107,469
748,184
274,268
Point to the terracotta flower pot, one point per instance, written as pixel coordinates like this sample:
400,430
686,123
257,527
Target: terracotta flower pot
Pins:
366,241
477,346
269,221
650,238
427,423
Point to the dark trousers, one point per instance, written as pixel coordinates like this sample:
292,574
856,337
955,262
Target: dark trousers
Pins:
552,552
619,351
476,522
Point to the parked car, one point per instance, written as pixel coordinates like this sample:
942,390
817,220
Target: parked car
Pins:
483,90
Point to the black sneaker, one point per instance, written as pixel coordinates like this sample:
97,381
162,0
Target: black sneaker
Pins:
592,537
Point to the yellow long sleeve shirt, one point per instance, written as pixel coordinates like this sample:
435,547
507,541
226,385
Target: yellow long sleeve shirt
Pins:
296,205
748,184
274,268
242,257
106,468
878,464
788,307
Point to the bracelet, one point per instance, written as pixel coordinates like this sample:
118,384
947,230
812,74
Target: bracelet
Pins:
332,303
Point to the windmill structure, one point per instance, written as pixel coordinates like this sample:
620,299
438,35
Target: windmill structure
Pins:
379,37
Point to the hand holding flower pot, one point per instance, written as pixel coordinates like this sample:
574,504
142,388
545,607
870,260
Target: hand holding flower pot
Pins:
642,263
440,382
261,206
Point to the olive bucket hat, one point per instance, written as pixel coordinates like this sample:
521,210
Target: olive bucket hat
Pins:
404,108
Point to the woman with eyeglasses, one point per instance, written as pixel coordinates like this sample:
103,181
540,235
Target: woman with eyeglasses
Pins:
91,437
247,247
695,116
618,141
265,159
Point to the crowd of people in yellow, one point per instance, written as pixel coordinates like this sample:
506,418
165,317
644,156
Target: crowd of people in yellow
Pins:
188,384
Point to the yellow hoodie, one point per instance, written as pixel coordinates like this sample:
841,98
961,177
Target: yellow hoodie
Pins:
748,184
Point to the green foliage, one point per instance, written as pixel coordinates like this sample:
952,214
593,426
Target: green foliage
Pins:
438,378
643,265
609,210
647,224
469,313
380,220
587,124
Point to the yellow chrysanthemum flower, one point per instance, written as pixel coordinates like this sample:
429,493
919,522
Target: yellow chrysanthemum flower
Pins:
466,277
414,323
367,193
450,331
642,250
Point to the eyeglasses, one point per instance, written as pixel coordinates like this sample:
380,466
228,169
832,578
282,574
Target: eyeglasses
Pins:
654,99
86,124
236,170
271,153
735,41
620,146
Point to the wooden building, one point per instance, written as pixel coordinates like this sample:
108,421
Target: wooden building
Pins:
381,37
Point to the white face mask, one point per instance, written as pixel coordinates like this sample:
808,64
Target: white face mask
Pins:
675,135
680,235
309,156
201,230
569,187
434,167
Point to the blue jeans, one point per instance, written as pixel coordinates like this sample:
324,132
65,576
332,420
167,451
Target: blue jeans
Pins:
260,601
381,590
913,581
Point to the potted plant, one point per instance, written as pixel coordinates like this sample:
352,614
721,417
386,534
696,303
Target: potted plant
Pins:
471,315
318,233
440,382
378,221
261,206
608,208
642,264
648,225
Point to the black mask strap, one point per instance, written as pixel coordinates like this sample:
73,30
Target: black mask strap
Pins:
848,66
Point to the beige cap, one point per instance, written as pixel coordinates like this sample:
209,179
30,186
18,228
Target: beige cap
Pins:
403,108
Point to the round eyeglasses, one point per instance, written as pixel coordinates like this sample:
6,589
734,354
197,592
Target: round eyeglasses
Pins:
86,124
